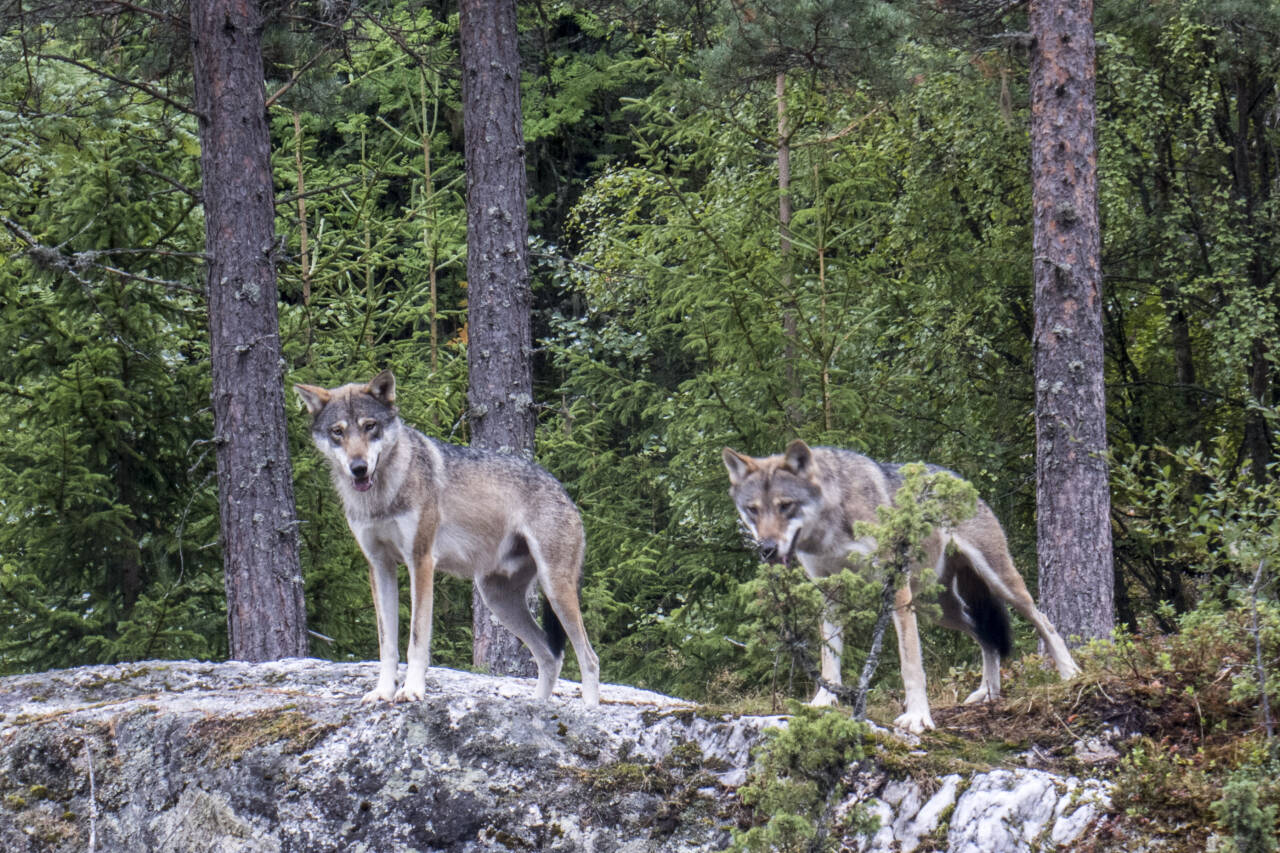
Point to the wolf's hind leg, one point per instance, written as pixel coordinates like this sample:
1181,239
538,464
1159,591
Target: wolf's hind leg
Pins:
564,604
504,596
1057,649
558,573
968,605
989,689
998,574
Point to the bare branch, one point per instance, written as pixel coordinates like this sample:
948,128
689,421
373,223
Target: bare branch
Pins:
1254,589
297,75
132,84
72,264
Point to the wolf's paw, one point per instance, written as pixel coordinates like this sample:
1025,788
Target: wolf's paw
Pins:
1068,670
914,721
982,694
377,695
411,693
824,698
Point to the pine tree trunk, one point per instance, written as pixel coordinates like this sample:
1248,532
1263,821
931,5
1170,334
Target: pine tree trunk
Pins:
266,618
790,356
1072,497
499,339
1253,182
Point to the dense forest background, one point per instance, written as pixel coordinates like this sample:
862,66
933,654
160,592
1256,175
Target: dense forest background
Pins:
674,314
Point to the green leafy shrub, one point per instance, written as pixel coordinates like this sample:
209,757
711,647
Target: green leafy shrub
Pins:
1242,813
798,779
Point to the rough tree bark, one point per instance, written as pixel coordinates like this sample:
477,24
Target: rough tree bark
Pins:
1253,179
266,618
499,339
1072,498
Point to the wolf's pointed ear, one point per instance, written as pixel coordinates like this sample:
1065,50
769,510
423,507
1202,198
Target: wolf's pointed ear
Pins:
314,398
383,387
738,465
799,459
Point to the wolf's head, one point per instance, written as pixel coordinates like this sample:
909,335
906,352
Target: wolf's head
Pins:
355,426
775,496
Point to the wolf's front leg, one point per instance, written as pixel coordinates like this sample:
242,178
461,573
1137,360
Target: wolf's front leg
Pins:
421,588
386,605
831,652
917,717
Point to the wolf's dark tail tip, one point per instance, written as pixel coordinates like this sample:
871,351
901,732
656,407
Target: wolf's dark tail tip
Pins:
991,624
554,630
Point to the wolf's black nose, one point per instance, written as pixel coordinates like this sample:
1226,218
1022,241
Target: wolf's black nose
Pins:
769,551
359,468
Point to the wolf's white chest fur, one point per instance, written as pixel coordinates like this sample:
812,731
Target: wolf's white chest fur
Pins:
454,548
833,555
391,536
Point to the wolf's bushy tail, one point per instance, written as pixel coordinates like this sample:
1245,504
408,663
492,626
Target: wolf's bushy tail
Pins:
553,629
991,624
983,611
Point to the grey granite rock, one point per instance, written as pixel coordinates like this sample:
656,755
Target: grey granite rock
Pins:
281,757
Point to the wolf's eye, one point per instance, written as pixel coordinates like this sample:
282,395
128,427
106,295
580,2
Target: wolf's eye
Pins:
371,427
336,431
786,507
753,510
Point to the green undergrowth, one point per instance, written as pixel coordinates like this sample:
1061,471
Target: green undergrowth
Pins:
799,777
1172,720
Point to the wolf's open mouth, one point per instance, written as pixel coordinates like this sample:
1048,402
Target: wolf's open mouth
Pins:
362,484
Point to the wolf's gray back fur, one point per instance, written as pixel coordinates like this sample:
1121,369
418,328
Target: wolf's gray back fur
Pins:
966,602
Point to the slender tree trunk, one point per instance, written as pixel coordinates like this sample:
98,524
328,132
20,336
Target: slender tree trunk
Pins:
266,618
1253,181
1072,497
430,237
303,260
789,356
499,339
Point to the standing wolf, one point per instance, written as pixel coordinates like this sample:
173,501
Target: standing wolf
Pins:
803,503
495,518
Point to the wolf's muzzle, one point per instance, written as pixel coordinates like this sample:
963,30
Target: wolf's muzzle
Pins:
770,552
360,478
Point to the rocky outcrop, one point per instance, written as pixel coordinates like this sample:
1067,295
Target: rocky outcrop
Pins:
183,756
1005,810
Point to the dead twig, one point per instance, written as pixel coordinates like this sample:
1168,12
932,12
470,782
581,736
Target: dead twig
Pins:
877,641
